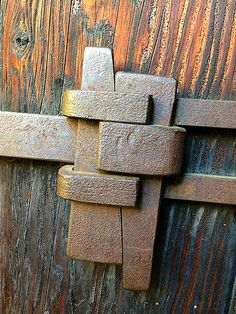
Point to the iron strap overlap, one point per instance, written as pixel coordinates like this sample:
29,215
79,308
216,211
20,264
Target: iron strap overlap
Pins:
121,134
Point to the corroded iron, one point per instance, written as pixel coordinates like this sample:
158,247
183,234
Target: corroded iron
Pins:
139,227
106,106
206,113
94,230
100,230
162,90
97,188
35,136
54,137
203,188
124,147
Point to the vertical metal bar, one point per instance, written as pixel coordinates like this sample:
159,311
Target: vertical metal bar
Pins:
94,230
139,226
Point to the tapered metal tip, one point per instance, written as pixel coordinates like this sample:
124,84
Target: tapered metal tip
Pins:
98,71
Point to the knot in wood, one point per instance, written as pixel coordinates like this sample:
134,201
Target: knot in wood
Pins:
21,43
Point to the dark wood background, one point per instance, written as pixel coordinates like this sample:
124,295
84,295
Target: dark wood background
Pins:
41,49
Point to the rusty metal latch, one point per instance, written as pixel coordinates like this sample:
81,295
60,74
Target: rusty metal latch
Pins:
121,135
122,234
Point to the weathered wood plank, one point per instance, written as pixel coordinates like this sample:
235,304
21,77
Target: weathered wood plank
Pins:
192,41
34,43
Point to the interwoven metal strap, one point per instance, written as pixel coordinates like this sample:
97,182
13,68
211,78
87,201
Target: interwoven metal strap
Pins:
121,134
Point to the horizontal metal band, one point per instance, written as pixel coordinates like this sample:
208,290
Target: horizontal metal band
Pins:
106,106
53,138
46,137
202,188
139,149
206,113
35,136
97,188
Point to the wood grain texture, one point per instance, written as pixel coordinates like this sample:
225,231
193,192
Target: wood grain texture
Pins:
41,49
34,37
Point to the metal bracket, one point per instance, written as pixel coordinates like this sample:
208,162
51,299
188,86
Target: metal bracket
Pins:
122,234
119,124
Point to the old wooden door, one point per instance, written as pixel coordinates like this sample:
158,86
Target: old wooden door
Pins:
42,43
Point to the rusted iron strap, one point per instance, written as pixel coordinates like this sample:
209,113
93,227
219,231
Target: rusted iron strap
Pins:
202,188
106,106
124,147
35,136
139,226
162,90
94,230
53,138
205,113
97,188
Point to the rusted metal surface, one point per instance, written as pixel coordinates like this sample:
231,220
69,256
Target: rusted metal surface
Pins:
53,137
106,106
202,188
125,147
97,188
94,233
139,231
87,146
206,113
98,75
139,227
94,230
161,88
36,136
